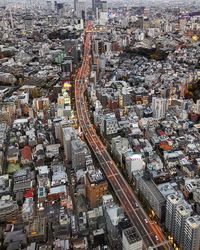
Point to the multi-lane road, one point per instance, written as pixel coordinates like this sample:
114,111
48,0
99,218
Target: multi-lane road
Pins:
150,232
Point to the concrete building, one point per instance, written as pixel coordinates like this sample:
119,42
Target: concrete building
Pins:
119,145
153,196
134,163
81,9
181,214
99,6
114,215
96,187
109,124
198,106
192,233
8,210
71,49
131,240
159,107
68,136
78,151
172,202
196,197
37,229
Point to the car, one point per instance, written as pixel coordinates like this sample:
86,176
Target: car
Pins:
156,237
146,221
136,204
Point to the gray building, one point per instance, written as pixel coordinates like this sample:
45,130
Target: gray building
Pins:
181,214
153,196
131,240
68,136
71,49
81,9
78,154
109,124
192,233
172,202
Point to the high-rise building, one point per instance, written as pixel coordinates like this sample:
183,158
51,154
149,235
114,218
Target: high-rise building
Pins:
131,240
141,22
78,151
181,214
172,202
159,107
100,9
183,228
81,9
192,233
50,5
68,135
75,1
153,196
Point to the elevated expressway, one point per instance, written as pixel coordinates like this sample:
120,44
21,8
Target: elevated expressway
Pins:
150,232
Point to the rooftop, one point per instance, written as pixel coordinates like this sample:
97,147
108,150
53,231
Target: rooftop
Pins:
95,176
132,235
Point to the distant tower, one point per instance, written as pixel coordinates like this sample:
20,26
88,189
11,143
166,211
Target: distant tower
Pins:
75,2
11,19
52,5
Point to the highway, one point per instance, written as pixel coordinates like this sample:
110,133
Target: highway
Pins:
150,232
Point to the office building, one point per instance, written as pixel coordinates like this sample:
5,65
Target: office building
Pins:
131,240
141,22
67,67
71,49
100,9
153,196
172,202
41,103
192,233
159,107
133,163
109,124
75,1
68,135
8,210
81,9
78,151
61,101
37,229
50,5
113,215
96,187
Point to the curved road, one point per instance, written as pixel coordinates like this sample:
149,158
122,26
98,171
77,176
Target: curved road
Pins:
150,232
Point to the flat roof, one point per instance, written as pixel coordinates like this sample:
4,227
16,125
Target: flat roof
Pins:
20,121
154,189
132,235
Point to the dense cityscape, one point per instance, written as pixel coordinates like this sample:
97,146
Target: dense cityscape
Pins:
99,125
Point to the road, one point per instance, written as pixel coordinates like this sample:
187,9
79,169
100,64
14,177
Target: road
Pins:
150,232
